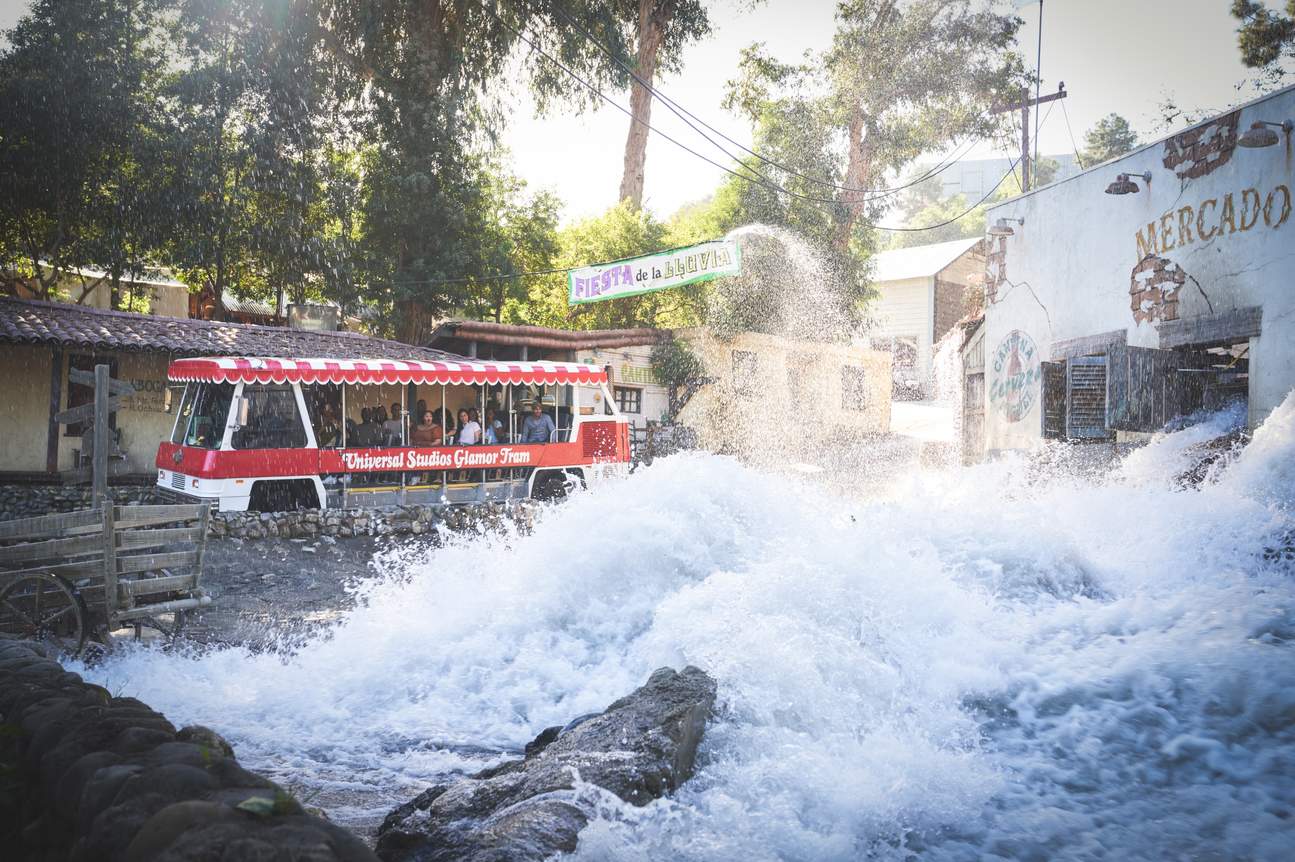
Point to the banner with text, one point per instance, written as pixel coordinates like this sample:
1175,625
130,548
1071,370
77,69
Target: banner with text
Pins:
654,272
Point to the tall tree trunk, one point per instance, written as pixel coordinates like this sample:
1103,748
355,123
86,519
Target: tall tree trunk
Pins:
856,177
654,15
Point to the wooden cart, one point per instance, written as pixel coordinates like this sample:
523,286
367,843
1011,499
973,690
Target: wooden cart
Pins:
69,578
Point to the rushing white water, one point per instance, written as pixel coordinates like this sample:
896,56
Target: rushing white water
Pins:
986,664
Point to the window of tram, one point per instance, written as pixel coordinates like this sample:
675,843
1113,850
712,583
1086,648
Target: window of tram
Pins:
324,406
273,421
203,413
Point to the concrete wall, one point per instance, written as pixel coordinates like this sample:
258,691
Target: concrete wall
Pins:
1213,232
24,409
792,397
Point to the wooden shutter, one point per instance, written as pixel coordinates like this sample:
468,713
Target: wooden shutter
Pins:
1086,398
1054,400
1146,388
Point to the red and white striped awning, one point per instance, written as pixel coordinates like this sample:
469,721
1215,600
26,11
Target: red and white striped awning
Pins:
234,369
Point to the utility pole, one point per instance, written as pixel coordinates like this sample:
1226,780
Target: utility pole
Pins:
1024,107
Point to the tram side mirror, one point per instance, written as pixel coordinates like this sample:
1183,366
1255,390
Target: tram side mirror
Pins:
244,409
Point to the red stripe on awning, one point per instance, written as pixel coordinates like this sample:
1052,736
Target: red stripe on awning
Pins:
374,371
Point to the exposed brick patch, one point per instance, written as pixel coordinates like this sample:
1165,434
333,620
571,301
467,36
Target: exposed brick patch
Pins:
1153,289
1204,149
995,269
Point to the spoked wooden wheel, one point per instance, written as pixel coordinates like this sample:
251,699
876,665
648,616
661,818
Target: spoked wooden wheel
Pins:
45,608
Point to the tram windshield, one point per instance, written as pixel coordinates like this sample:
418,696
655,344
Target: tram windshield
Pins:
203,414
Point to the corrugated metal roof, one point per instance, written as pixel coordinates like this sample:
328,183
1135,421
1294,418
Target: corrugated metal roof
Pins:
29,321
919,261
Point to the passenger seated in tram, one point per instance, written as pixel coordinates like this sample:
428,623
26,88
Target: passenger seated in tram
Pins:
489,437
394,425
427,432
494,428
538,427
370,433
469,429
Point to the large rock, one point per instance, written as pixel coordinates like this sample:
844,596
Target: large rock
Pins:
641,748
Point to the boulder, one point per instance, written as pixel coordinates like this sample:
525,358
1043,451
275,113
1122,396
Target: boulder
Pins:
640,748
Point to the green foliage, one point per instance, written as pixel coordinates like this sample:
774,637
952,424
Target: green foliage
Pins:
675,364
1266,38
1110,138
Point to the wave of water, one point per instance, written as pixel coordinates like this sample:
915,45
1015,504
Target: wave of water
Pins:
985,664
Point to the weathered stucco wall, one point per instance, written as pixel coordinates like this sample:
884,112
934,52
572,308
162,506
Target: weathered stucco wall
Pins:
1213,231
632,366
24,407
785,394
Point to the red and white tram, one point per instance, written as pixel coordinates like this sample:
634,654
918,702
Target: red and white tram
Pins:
266,434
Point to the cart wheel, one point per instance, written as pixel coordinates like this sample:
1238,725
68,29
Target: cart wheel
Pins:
46,608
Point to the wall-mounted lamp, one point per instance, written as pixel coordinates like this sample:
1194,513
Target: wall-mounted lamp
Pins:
1003,227
1260,135
1123,185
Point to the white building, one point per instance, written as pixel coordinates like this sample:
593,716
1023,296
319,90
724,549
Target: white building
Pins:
1115,303
921,293
976,178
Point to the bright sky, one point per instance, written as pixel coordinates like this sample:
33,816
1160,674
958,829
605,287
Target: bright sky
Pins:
1114,55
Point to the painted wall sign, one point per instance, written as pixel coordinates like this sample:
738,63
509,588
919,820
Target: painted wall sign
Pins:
1015,376
654,272
1215,217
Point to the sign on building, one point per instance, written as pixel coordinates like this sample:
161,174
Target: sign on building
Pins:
655,272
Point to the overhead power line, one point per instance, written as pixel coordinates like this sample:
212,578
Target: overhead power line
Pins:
689,117
774,187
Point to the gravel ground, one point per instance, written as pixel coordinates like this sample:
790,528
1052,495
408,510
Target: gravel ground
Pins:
273,593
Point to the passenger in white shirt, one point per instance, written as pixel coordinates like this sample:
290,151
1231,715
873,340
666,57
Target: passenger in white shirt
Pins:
469,430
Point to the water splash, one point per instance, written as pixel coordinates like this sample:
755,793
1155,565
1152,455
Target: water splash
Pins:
984,664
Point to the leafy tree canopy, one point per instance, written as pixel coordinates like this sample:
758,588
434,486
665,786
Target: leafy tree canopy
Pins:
1110,138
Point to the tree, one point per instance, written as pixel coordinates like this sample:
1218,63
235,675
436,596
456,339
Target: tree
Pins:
78,156
899,80
1109,139
1266,38
663,28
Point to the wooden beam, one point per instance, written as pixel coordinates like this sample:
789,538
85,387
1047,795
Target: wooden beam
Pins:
55,401
51,549
150,562
99,485
143,516
86,411
1211,330
1088,345
55,525
133,540
86,378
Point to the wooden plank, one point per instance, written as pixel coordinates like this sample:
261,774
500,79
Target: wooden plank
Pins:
102,434
142,516
86,378
73,571
128,540
151,562
1088,345
204,525
55,525
136,587
111,604
51,549
1211,330
85,411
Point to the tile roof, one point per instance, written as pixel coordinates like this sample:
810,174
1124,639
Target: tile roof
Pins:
32,322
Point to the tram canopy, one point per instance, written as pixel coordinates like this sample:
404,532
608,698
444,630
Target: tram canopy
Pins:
236,369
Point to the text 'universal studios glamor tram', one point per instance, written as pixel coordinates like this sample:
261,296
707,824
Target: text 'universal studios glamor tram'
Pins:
271,434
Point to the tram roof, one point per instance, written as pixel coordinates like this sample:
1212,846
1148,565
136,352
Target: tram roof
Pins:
454,371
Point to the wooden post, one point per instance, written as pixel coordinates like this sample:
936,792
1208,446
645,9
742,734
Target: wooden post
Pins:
99,493
110,604
55,402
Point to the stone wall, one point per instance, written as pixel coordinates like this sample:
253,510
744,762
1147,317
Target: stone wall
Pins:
391,520
24,501
90,777
21,500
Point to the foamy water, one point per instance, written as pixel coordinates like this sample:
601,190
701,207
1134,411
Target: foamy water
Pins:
981,664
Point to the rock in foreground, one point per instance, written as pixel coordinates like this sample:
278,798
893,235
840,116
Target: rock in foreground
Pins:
641,748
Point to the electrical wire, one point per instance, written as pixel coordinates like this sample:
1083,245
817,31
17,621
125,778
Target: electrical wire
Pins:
1079,160
688,117
774,187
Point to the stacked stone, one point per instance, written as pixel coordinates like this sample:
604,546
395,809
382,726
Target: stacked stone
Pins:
92,777
28,501
393,520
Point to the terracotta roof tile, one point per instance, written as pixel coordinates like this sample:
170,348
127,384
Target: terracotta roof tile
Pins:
27,321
